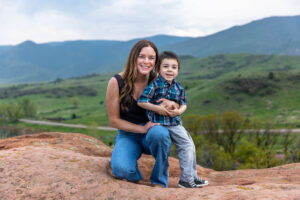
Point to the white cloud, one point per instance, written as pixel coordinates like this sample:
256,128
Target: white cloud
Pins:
59,20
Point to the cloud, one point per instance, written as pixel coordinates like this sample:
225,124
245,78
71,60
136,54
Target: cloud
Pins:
59,20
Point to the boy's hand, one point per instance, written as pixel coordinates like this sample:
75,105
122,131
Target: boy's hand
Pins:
173,113
168,104
162,110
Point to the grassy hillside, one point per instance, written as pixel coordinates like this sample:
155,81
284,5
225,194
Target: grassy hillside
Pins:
54,99
262,87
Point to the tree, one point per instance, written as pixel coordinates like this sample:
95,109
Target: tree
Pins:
11,113
75,102
271,75
29,108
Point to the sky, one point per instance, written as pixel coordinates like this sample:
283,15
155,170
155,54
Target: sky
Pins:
61,20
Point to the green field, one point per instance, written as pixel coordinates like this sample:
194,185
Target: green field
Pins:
261,87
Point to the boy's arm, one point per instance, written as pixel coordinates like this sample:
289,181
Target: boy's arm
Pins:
146,97
155,108
177,111
182,109
182,104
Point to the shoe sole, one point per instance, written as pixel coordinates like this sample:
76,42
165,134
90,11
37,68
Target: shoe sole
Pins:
181,186
202,185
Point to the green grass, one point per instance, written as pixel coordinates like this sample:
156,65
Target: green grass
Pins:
206,81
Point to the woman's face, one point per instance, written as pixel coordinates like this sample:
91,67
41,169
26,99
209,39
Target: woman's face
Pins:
146,60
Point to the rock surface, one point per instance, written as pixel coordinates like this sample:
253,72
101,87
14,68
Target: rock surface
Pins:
74,166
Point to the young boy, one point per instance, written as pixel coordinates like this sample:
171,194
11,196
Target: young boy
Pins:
165,86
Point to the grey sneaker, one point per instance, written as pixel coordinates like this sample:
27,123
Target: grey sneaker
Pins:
200,183
184,184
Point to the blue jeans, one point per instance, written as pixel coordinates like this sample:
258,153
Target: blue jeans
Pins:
129,148
186,152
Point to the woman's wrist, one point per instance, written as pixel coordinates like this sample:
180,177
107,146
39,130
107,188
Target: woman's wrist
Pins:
142,129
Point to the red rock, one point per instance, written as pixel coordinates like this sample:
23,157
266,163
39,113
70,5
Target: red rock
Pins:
74,166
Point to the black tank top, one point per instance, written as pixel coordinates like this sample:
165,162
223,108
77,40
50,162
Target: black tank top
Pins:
135,114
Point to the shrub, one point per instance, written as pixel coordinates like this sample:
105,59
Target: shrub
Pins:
233,125
213,156
28,107
271,75
293,154
11,113
230,142
75,102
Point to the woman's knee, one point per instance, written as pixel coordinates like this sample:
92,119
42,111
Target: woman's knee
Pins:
159,134
122,170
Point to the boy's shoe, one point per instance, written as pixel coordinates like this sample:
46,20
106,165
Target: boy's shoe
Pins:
200,183
184,184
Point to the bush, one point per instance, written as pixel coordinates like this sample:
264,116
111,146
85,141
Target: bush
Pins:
251,156
230,141
233,125
29,108
212,156
293,154
75,101
11,113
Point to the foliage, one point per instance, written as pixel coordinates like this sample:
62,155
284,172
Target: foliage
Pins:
75,102
56,92
251,86
230,141
28,107
11,113
293,154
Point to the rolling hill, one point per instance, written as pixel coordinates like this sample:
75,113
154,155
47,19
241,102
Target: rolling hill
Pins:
261,87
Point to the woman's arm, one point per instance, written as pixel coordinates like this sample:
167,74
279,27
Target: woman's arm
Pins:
113,110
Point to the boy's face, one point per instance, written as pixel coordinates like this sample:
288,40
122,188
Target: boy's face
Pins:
169,69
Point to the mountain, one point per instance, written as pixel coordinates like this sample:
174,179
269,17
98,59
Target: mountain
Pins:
4,48
273,35
31,62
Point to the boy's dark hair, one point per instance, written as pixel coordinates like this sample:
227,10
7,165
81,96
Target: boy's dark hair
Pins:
168,55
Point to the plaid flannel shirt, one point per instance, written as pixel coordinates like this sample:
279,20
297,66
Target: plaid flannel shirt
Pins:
158,89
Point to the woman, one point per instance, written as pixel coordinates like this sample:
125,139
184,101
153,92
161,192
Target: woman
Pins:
136,134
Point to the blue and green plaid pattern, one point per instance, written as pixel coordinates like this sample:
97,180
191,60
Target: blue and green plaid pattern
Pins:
158,89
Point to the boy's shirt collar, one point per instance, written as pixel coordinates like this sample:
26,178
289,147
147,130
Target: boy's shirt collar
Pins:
164,80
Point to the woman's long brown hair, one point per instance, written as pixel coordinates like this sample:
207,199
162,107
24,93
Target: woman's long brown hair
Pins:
130,72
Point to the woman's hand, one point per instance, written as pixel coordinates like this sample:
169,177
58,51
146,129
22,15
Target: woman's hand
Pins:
148,126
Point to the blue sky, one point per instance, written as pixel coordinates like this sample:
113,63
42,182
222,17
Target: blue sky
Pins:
60,20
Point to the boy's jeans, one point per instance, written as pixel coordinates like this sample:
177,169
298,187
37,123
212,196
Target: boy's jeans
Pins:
129,148
185,149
